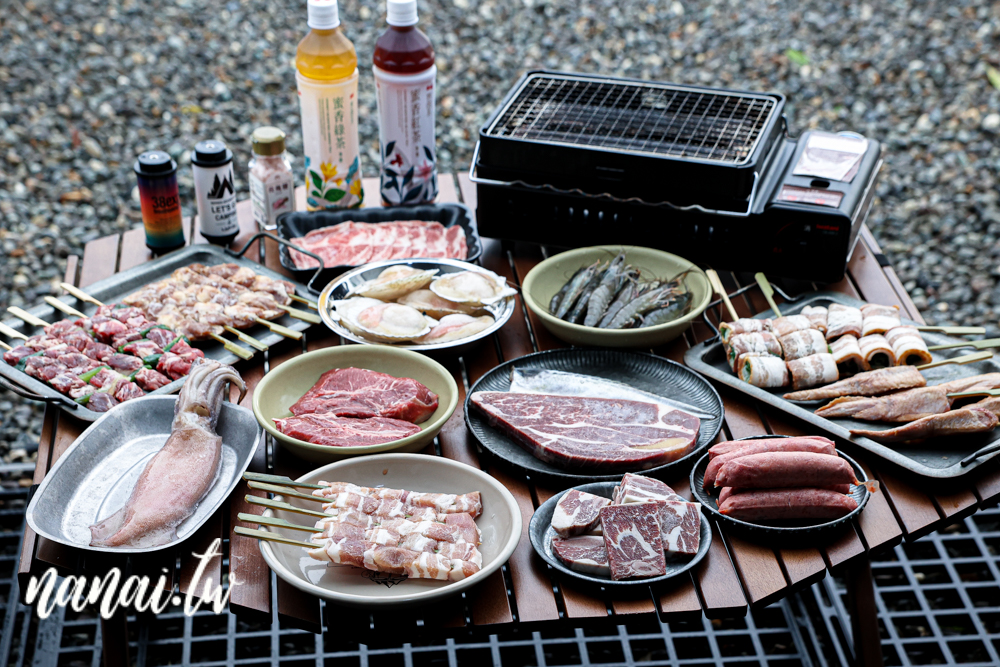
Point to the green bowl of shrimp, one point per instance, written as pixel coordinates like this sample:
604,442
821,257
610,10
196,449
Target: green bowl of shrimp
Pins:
646,316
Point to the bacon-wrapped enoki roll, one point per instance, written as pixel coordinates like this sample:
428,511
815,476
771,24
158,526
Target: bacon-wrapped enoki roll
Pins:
752,344
767,371
847,354
802,343
813,370
842,320
908,346
783,326
743,325
817,315
879,319
876,352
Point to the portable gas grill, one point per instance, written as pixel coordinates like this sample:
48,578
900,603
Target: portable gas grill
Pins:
707,173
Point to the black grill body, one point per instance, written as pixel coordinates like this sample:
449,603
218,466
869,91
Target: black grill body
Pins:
573,160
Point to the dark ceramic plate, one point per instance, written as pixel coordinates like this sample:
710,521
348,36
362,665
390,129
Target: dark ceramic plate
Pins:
300,223
541,534
779,529
642,371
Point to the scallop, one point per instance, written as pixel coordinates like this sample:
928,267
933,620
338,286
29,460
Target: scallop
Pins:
380,321
429,303
454,327
394,282
472,287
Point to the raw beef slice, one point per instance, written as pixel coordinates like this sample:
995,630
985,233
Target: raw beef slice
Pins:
599,434
329,429
639,489
356,392
680,527
577,512
585,554
632,538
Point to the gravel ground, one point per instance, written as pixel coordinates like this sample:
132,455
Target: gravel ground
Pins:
88,85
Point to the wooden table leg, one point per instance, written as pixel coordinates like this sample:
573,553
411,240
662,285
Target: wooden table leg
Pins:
864,617
114,640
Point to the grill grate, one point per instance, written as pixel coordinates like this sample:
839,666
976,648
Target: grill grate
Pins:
634,117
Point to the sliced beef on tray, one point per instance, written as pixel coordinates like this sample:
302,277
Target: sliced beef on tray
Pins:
577,512
632,538
639,489
598,434
356,392
585,553
355,243
680,527
329,429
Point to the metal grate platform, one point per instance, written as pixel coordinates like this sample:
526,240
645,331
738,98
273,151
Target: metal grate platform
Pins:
648,118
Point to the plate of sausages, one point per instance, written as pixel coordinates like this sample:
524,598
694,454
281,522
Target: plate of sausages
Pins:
781,485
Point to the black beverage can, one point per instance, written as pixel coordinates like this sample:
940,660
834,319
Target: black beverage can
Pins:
160,201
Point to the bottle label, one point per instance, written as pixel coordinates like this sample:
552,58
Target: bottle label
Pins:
213,187
271,199
161,212
406,136
330,142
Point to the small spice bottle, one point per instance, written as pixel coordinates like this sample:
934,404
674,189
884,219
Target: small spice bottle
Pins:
272,185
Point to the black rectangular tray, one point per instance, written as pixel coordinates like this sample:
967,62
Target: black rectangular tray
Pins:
112,290
300,223
940,458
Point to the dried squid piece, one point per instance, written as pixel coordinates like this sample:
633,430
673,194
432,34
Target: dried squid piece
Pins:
431,304
455,327
394,282
380,321
908,346
767,371
472,287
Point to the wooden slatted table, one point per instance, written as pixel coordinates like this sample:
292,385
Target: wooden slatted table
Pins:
737,574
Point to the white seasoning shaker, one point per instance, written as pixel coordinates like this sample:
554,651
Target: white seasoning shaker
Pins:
272,183
212,164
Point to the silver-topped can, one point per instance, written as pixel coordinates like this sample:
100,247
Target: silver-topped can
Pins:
215,191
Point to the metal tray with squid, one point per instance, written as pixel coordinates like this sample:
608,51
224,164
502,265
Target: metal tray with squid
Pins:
114,288
940,458
95,476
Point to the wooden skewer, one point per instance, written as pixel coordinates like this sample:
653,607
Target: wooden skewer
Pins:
4,345
247,338
311,304
13,333
768,291
283,491
27,317
59,305
277,523
957,331
978,344
277,505
302,315
278,329
975,392
964,359
230,346
80,294
273,537
713,278
278,479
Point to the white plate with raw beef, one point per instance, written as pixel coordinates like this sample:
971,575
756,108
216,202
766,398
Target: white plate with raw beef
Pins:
350,400
499,525
542,534
444,324
629,403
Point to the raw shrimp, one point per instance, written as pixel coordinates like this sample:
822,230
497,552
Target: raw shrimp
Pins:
601,297
576,286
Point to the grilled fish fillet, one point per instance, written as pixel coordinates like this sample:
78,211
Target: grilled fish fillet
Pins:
871,383
967,420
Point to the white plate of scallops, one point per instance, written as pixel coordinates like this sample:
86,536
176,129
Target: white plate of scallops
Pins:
417,304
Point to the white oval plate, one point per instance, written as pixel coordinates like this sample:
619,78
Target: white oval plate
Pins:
500,525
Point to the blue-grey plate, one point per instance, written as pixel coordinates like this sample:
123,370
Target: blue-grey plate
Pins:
541,533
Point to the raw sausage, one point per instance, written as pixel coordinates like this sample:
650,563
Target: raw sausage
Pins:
781,469
793,503
729,491
761,446
721,448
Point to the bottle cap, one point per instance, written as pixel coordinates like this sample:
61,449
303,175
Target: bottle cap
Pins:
268,141
401,12
323,14
154,162
211,153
